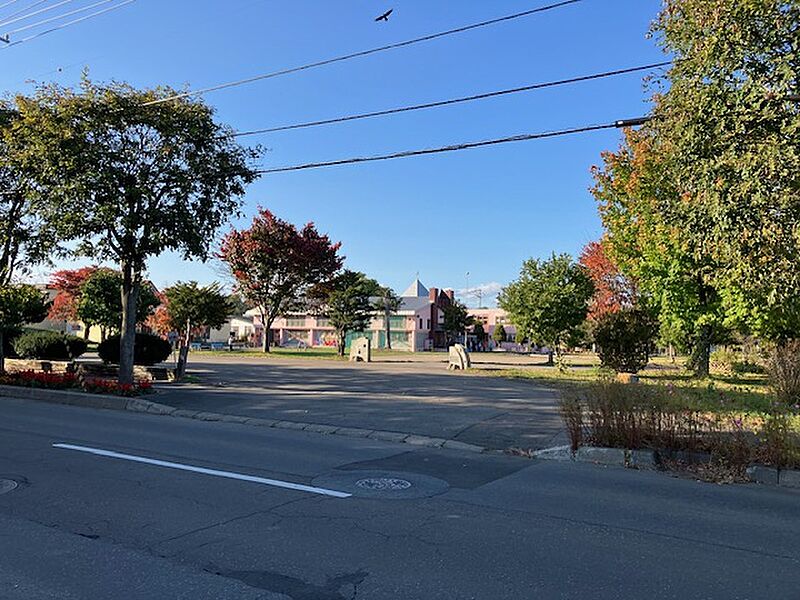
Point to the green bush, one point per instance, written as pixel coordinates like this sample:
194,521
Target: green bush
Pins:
624,339
149,349
48,345
8,342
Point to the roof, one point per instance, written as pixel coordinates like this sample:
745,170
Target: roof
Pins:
415,290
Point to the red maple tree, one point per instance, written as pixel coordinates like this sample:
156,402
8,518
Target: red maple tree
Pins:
612,290
274,263
67,284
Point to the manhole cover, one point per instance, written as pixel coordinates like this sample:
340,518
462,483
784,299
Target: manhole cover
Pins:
383,483
6,485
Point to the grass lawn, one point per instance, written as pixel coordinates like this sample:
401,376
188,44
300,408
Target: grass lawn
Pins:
748,393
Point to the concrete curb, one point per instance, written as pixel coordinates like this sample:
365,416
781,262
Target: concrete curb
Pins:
139,404
615,457
649,460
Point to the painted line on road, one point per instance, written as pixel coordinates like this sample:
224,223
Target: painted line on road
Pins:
214,472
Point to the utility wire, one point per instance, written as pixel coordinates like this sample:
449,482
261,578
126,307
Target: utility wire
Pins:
24,10
345,57
6,22
392,111
59,17
9,3
67,24
462,146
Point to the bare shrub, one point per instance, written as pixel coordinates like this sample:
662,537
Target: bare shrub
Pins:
572,413
783,369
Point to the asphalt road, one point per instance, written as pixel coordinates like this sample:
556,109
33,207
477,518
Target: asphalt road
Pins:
83,525
413,397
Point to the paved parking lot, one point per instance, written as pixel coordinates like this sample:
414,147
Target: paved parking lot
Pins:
415,396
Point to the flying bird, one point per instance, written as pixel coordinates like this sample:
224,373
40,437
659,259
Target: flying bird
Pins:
385,16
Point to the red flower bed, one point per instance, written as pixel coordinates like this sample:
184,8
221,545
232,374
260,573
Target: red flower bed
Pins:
71,381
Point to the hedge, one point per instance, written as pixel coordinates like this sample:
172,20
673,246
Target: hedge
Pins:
149,350
48,345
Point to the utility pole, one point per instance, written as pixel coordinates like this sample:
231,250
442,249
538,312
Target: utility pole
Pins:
466,292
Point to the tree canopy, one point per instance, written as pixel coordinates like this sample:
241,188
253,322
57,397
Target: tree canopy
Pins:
345,301
549,301
274,264
456,320
125,179
99,302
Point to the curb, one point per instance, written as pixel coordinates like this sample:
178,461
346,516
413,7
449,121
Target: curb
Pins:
614,457
141,405
649,460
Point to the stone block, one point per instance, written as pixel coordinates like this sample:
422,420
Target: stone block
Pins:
353,432
642,459
601,456
463,446
422,440
555,453
361,350
762,474
458,358
318,428
290,425
388,436
789,478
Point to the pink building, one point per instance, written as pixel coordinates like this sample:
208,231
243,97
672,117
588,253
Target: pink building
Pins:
417,326
490,318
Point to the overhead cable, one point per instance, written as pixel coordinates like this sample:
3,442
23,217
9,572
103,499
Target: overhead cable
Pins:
362,53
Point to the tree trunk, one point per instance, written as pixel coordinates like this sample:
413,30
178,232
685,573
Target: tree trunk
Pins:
266,323
131,285
388,327
550,361
183,351
702,353
341,342
2,354
86,328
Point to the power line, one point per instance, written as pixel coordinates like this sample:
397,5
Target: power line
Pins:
6,22
345,57
392,111
9,3
456,147
24,10
59,17
67,24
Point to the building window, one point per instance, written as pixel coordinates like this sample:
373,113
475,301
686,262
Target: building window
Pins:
323,322
420,322
295,321
429,323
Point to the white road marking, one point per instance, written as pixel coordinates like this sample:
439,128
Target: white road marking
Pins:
215,472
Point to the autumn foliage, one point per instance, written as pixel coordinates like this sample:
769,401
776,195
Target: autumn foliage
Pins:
67,284
612,290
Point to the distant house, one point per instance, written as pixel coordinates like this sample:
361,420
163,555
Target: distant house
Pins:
417,326
490,319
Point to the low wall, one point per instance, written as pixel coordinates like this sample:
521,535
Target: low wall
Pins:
14,365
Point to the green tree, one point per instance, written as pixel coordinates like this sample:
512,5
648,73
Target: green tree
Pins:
388,303
190,306
499,334
479,332
549,301
19,304
128,174
648,239
456,321
345,301
99,302
728,128
625,338
22,242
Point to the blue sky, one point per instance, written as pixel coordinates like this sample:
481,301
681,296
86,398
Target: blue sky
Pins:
482,211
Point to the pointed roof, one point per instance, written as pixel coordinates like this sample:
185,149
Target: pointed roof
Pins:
415,290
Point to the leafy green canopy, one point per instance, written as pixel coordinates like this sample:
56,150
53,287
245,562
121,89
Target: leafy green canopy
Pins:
197,306
100,303
456,319
126,180
549,301
346,302
728,127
